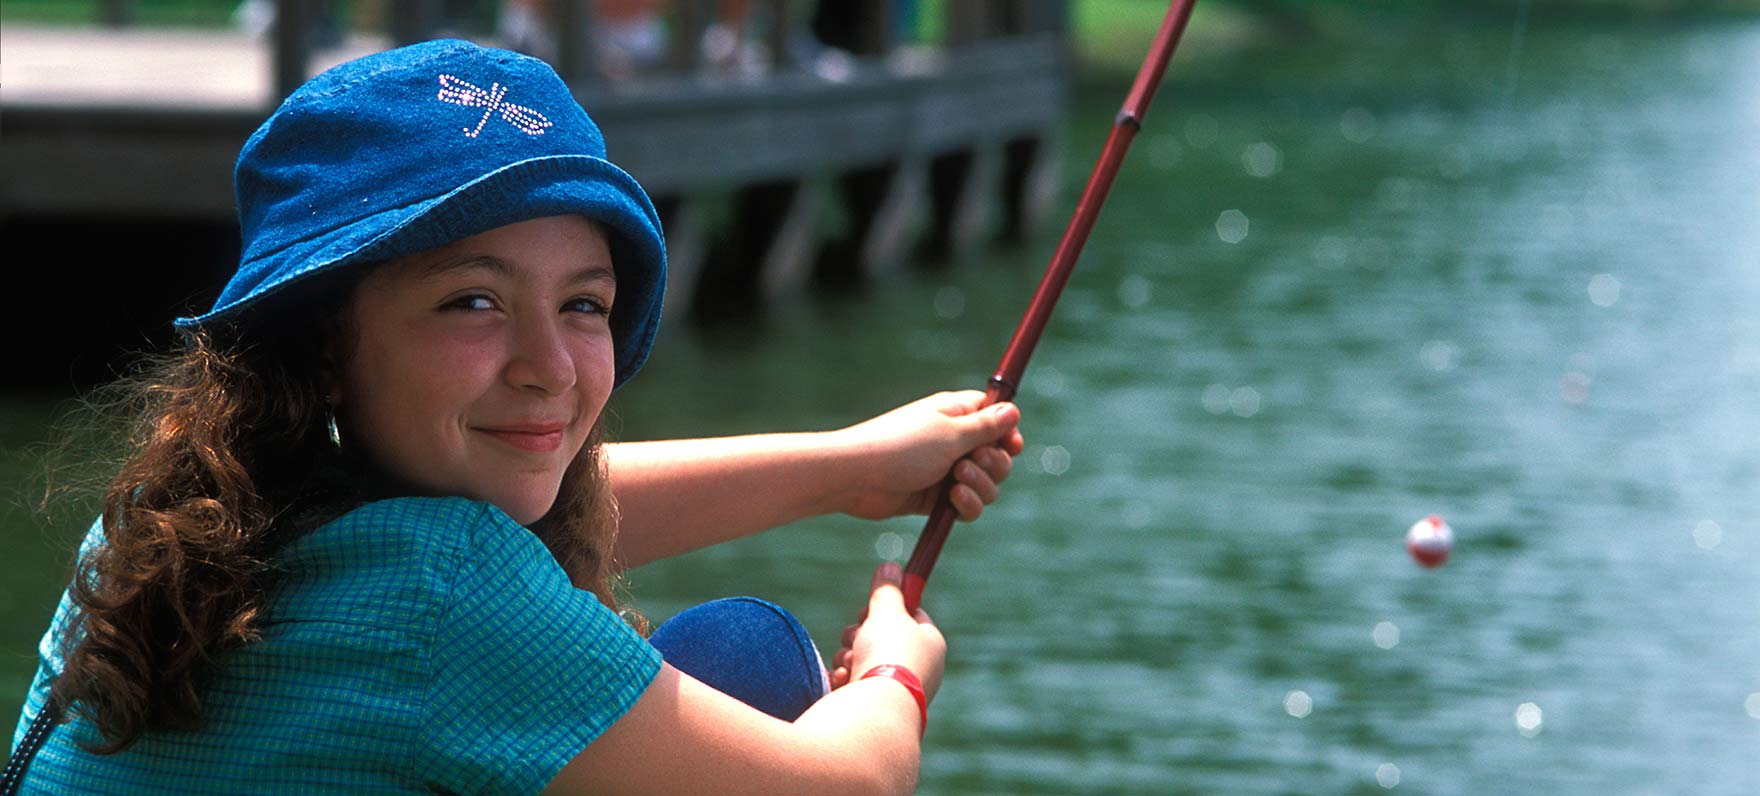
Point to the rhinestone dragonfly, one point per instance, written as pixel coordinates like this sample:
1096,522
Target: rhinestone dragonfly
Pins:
459,92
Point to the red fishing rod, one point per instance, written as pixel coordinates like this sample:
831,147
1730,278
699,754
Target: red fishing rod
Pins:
1007,378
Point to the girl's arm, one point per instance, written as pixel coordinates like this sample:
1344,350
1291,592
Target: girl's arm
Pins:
683,737
680,495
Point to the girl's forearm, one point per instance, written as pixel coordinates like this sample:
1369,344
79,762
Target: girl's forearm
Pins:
676,496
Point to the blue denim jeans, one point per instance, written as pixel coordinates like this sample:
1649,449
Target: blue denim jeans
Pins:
749,649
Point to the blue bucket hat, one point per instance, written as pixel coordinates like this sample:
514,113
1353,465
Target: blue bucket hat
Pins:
417,147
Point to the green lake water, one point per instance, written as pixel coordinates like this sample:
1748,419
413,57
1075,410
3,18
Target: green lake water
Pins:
1508,276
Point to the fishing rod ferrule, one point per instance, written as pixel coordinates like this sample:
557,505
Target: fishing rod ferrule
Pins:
1127,119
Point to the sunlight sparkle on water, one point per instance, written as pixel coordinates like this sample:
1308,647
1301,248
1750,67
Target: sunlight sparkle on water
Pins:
1134,291
1707,534
1573,387
1386,635
1752,704
1331,252
1055,460
1231,226
889,546
1603,290
1297,703
1357,125
1216,398
950,302
1528,719
1262,159
1439,355
1387,774
1137,515
1048,381
1244,401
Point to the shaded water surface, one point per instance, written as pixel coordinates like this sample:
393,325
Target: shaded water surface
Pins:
1341,287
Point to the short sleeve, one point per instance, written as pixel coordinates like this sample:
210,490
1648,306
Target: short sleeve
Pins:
49,661
527,669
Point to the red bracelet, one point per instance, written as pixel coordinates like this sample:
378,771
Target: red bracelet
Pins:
908,679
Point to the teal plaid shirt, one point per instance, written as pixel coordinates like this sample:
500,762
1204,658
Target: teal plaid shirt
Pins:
413,645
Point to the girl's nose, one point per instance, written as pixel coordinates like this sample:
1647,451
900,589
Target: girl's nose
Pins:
540,359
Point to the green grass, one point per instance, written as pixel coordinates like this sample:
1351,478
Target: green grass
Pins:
39,550
1115,34
154,13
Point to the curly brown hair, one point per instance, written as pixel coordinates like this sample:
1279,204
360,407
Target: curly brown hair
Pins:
229,458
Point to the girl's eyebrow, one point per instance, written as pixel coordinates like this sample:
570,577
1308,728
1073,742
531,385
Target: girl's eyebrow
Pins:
486,262
594,273
500,267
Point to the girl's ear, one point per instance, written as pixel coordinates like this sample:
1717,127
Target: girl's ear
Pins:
333,357
330,374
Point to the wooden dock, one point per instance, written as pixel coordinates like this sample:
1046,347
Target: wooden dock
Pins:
927,151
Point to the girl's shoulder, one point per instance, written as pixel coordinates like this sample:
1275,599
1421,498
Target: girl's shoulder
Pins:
389,563
436,513
405,529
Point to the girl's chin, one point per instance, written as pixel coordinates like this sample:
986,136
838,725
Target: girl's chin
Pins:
525,509
526,499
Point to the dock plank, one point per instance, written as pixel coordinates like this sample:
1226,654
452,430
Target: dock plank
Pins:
147,68
149,122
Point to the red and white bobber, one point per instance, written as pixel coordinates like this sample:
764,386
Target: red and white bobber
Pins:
1430,540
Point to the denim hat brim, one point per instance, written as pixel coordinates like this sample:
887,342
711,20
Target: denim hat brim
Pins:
524,190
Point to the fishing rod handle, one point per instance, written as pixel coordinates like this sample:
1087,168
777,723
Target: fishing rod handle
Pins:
942,515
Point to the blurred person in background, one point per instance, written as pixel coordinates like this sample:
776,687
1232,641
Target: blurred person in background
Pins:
257,18
629,36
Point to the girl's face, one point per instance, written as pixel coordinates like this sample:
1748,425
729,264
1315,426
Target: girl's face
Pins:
478,368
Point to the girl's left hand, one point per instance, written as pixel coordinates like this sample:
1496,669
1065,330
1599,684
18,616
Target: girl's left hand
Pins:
910,449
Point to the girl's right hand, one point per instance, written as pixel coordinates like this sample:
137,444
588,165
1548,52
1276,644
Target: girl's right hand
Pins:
887,634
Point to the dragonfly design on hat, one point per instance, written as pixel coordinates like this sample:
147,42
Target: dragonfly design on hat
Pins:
459,92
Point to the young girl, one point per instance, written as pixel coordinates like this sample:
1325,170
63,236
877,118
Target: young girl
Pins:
367,538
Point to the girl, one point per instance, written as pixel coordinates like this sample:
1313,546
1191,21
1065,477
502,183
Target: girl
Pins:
368,536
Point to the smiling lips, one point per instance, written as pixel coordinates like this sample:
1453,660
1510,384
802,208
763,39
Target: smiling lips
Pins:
535,438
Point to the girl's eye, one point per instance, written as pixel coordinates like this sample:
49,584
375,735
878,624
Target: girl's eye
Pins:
587,304
475,301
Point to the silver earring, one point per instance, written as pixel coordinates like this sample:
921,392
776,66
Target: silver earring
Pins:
335,436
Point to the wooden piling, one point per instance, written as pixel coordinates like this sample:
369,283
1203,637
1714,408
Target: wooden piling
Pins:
681,218
1030,170
960,194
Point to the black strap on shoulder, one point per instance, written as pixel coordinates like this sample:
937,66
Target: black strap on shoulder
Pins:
26,751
